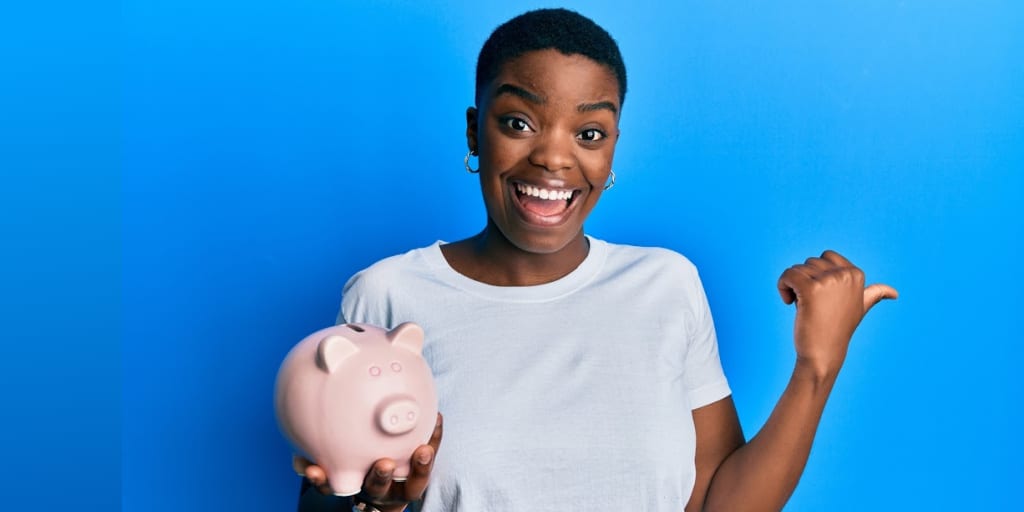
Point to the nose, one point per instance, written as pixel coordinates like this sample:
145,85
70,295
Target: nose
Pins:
398,415
554,151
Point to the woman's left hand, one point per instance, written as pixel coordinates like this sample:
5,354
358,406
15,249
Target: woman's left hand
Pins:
830,301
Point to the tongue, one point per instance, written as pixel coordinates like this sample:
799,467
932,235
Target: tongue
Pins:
543,207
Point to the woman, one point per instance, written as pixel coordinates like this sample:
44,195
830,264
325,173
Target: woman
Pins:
575,374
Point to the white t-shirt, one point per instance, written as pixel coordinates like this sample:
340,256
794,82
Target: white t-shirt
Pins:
571,395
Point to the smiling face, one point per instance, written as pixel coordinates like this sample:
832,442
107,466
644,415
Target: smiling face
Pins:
546,134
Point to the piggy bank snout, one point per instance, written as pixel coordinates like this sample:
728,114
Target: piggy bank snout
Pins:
398,415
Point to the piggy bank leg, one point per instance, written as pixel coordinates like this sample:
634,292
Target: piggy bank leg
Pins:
346,483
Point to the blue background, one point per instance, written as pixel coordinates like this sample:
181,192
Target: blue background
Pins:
60,254
171,233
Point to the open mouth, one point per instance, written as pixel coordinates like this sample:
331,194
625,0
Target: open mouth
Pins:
547,205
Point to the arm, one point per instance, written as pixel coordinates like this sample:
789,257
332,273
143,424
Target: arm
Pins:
761,474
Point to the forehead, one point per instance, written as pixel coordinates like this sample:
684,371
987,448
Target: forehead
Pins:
555,76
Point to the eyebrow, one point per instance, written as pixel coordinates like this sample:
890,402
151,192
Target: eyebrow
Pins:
518,91
601,105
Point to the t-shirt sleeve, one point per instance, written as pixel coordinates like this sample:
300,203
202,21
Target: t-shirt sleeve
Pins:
705,381
365,299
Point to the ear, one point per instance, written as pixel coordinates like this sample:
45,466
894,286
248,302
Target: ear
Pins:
472,130
334,350
409,336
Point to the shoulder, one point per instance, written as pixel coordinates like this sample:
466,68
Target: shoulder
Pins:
653,272
390,270
375,294
663,280
652,259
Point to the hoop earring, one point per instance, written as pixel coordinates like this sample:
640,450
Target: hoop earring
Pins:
611,180
468,168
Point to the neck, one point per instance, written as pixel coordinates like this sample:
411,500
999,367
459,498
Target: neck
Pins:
491,258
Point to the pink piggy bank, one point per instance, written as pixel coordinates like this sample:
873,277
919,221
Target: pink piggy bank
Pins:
354,393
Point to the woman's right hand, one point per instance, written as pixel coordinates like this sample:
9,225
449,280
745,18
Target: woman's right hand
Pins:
379,489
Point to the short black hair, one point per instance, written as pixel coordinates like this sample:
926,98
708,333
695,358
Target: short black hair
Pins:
567,31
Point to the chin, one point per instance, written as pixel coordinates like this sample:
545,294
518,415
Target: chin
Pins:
535,243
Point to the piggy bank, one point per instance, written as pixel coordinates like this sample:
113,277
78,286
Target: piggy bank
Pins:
354,393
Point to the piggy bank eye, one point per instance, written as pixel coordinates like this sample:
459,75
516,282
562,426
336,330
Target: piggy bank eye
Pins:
374,371
396,366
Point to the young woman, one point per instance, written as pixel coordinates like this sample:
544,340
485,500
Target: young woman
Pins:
573,373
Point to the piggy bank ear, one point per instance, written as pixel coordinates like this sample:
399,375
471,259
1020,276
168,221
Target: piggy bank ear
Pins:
409,336
334,350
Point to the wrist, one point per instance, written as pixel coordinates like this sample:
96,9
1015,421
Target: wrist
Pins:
818,374
362,502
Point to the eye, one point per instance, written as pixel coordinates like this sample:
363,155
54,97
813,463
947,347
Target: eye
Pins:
515,124
591,135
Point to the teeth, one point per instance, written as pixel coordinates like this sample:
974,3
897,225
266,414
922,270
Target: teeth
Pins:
544,193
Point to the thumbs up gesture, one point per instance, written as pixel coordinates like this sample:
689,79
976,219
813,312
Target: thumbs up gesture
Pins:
830,302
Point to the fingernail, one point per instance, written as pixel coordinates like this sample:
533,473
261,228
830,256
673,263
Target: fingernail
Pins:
381,473
423,458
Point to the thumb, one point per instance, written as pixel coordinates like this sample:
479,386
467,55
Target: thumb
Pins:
876,293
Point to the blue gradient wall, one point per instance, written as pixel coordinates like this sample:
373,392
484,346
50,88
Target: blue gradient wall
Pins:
271,149
59,259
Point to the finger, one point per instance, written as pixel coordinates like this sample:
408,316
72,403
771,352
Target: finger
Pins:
791,282
435,437
299,464
877,293
378,481
316,475
787,294
836,258
419,475
325,489
819,264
